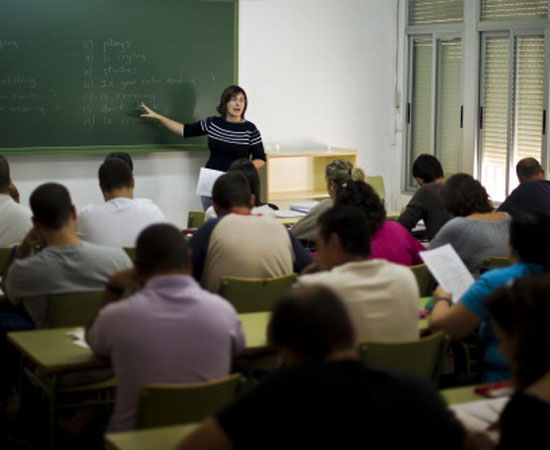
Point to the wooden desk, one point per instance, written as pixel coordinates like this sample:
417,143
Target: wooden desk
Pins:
466,394
162,438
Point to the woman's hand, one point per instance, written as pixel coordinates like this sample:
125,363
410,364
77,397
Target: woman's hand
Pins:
149,113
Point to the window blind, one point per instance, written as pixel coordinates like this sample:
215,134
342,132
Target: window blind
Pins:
513,9
423,12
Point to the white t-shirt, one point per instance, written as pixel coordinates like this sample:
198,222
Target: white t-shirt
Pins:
264,210
117,222
381,298
15,221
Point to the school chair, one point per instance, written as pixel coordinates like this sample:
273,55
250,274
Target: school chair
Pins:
424,357
377,183
494,262
195,219
5,253
131,252
71,309
254,294
424,279
170,404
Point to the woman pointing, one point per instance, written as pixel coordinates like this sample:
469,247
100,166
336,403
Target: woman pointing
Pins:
230,135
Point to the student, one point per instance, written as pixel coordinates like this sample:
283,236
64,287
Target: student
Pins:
520,314
533,193
246,167
381,298
528,236
62,263
476,231
169,331
390,240
118,221
15,219
325,398
240,244
337,173
122,156
230,135
426,202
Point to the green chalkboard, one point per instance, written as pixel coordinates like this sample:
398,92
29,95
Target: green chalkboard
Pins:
72,72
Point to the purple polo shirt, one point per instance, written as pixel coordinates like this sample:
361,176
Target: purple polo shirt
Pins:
171,331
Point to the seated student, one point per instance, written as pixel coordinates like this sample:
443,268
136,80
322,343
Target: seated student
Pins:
520,314
118,221
64,263
426,203
476,231
527,237
381,297
533,193
15,219
325,398
245,166
390,240
169,331
337,173
239,243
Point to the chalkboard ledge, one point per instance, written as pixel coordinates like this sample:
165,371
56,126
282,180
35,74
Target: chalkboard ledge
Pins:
102,149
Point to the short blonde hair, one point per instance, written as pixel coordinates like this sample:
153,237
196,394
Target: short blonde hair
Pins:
341,171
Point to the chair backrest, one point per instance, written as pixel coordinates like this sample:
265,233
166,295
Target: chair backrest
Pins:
254,294
71,309
377,183
5,253
170,404
195,219
494,262
424,357
424,279
131,252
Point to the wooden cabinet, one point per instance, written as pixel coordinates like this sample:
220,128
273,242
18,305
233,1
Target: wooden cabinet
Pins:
295,176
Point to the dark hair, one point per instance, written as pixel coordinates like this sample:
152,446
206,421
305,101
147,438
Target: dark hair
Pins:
161,248
363,196
350,225
427,167
122,156
248,169
311,321
462,195
51,205
521,311
527,168
228,92
4,174
231,189
113,174
530,238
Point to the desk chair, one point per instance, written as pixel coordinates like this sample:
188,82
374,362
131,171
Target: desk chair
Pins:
424,357
71,309
254,294
377,183
195,219
424,279
5,253
170,404
494,262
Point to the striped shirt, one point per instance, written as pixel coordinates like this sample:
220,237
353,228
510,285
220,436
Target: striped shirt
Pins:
227,141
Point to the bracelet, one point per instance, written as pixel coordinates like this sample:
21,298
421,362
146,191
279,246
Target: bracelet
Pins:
114,289
444,299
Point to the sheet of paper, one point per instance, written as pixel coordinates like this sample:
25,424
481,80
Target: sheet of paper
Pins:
304,207
207,178
448,269
77,336
287,213
480,415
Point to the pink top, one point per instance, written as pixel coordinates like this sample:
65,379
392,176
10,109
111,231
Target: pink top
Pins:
394,243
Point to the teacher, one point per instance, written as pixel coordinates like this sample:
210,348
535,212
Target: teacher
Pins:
230,135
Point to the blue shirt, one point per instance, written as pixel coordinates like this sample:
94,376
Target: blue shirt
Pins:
496,365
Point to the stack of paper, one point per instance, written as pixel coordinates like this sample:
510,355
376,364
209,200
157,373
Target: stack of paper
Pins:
304,207
287,214
479,416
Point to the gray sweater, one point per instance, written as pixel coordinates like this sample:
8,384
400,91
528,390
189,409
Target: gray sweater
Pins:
306,228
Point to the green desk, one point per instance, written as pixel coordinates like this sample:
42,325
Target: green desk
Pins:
454,396
162,438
